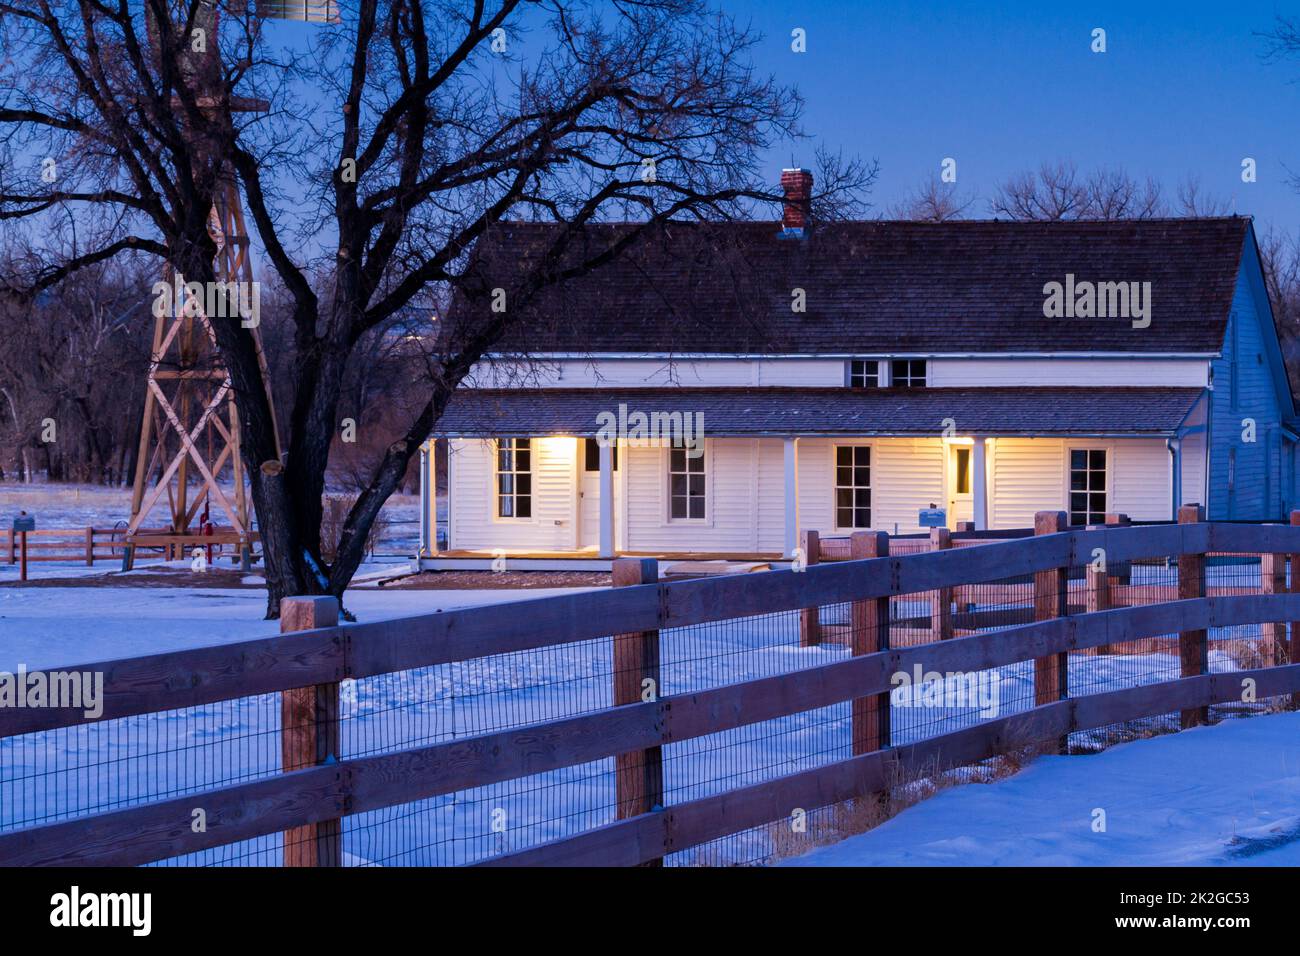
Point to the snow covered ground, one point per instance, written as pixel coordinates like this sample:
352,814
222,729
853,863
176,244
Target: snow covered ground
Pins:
118,763
51,626
57,506
1214,796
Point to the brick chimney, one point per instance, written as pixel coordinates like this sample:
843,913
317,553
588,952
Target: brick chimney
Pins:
797,184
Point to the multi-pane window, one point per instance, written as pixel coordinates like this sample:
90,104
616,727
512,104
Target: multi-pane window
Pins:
515,478
853,486
864,373
686,483
591,457
907,373
1087,486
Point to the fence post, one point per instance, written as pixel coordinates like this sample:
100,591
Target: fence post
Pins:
309,735
1272,580
1122,573
869,632
1293,646
638,776
810,625
90,547
1050,595
1097,597
11,545
1193,648
940,599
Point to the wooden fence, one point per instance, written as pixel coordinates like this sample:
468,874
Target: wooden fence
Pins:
316,787
66,544
99,544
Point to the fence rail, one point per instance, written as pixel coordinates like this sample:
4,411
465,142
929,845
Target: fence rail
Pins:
643,770
92,544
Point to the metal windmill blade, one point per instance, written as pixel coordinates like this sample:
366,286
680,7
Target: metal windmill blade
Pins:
309,11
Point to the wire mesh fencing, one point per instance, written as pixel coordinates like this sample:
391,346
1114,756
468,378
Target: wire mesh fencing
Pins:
94,767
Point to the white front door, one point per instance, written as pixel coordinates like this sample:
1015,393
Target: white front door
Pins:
589,510
960,479
589,494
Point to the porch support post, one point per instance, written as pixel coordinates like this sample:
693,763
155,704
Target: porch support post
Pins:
791,497
606,500
428,500
1175,477
979,496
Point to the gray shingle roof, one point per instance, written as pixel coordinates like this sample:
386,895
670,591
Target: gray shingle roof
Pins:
874,287
829,411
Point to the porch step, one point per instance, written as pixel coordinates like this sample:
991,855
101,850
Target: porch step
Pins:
706,569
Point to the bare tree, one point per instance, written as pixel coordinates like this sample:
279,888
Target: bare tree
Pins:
64,411
407,132
1284,39
932,201
1193,201
1283,43
1280,255
1057,191
1281,252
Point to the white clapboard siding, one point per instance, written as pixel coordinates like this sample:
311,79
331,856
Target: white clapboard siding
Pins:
769,455
1095,372
1031,474
745,504
597,372
637,373
1140,471
1028,475
746,490
471,477
906,475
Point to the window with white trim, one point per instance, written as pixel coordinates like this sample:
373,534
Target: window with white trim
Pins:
852,486
514,478
686,482
591,455
907,373
1087,486
864,373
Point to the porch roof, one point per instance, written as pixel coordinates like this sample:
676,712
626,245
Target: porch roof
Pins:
1066,411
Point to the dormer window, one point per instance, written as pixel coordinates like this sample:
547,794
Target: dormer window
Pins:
864,373
907,373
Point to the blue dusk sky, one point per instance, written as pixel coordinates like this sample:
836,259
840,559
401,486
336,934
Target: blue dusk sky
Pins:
1182,91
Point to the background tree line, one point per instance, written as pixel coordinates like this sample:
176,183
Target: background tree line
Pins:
72,394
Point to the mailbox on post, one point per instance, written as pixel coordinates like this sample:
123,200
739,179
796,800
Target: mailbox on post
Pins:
22,524
932,517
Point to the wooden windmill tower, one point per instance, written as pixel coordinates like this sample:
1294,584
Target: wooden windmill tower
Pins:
189,436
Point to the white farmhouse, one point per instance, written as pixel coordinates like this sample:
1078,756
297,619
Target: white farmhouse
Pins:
849,375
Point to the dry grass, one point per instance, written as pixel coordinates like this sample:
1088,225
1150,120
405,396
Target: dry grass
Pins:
479,580
334,514
216,576
1244,654
1143,728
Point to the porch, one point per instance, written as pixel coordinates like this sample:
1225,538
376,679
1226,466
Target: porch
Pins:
529,480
